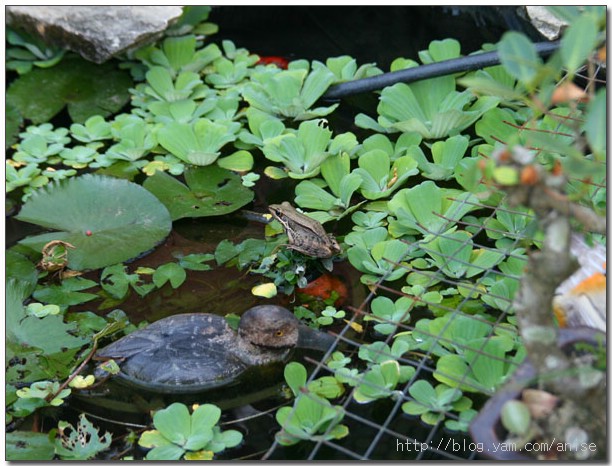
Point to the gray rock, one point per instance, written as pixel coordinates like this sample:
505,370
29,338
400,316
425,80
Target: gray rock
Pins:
97,33
545,22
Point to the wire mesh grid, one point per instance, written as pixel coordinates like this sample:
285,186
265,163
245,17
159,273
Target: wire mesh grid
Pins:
394,435
384,430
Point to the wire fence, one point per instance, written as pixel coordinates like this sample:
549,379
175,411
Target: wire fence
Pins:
381,429
391,434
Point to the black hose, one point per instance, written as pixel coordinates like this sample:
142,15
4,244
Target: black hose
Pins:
432,70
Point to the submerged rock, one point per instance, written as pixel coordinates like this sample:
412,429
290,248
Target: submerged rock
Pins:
97,33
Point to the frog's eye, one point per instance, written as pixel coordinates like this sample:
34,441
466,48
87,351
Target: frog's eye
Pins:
279,333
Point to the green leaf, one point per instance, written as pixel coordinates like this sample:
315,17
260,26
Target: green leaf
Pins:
378,382
107,220
81,443
239,161
566,13
66,294
203,419
174,423
578,42
14,120
197,144
171,272
50,333
515,417
168,452
428,209
29,446
519,57
209,191
86,88
195,261
19,267
295,375
595,125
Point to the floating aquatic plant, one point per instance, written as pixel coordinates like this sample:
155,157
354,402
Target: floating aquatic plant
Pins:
108,220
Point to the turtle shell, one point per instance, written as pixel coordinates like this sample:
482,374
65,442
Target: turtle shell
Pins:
185,353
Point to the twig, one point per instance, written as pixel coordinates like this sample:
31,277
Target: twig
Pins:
75,373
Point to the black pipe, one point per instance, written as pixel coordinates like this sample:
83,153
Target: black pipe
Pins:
432,70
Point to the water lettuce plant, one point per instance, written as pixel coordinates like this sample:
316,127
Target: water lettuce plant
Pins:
454,254
379,177
303,151
312,417
428,209
377,256
433,107
179,434
446,155
381,380
345,68
25,52
342,183
178,54
199,143
433,403
389,314
290,93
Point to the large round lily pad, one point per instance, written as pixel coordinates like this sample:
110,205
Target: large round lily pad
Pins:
107,220
209,191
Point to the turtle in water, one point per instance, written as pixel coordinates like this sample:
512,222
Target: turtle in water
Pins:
189,353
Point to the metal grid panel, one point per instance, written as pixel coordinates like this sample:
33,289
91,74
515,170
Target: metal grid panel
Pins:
390,433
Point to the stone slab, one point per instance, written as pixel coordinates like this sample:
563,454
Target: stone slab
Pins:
97,33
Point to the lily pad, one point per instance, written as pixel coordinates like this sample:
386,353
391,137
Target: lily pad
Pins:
107,220
209,191
88,89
